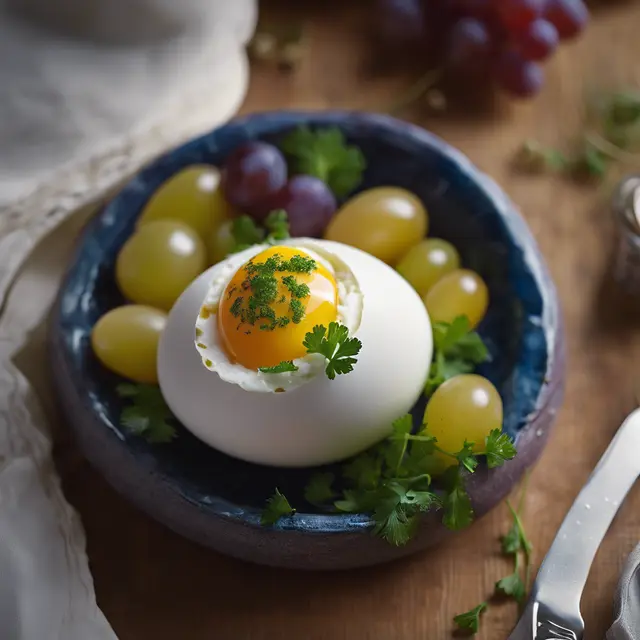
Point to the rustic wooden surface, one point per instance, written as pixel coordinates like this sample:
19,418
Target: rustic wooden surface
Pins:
153,585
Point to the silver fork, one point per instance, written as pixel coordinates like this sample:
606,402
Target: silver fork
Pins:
553,609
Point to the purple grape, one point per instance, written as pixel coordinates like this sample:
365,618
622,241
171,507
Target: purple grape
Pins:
469,43
569,17
400,21
309,203
539,41
516,15
252,174
520,77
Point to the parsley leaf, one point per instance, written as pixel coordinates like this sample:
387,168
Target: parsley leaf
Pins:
498,449
457,350
335,346
319,491
467,458
245,233
277,507
511,541
148,416
470,620
326,155
512,586
277,225
458,513
284,367
363,471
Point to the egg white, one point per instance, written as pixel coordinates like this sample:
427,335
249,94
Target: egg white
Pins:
207,338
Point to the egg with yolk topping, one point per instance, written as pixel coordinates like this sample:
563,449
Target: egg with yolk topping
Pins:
252,313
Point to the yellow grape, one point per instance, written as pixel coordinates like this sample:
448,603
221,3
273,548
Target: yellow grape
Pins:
425,263
125,340
460,293
466,407
220,242
192,196
158,262
385,222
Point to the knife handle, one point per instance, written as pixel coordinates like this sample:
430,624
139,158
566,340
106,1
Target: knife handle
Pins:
565,569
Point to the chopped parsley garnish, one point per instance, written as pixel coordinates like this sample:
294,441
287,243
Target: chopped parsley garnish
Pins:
148,415
326,155
277,507
262,290
470,620
284,367
297,311
297,289
457,350
335,345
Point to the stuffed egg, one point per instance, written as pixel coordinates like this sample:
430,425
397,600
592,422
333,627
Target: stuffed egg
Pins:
236,368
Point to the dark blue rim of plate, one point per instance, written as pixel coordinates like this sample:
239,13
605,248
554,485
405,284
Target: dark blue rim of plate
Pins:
533,285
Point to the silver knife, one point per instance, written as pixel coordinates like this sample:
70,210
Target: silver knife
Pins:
553,609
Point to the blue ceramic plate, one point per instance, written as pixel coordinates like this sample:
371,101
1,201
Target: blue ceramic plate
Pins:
216,500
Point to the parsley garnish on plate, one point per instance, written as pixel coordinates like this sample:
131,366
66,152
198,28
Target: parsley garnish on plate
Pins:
470,620
148,415
457,350
246,232
326,155
335,345
277,507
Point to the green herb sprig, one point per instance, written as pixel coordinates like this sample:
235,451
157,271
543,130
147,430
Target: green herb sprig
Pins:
148,415
246,233
470,620
335,345
325,154
457,350
277,507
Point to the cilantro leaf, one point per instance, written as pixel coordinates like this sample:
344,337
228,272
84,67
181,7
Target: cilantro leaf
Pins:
457,350
394,524
458,513
499,449
335,346
277,507
319,490
470,620
277,225
284,367
363,471
512,586
148,415
326,155
467,458
245,233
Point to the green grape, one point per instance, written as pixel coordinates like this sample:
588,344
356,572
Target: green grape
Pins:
220,242
158,262
125,340
460,293
425,263
466,407
192,196
385,222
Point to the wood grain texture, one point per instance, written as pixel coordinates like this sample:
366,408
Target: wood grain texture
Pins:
152,584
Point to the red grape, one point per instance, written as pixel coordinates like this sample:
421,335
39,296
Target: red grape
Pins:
518,76
569,17
309,204
469,43
252,174
539,41
516,15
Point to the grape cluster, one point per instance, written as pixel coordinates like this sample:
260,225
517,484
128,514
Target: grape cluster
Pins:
509,39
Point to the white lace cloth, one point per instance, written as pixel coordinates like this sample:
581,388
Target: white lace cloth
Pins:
46,589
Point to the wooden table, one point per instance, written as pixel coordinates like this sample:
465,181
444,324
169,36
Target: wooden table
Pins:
153,585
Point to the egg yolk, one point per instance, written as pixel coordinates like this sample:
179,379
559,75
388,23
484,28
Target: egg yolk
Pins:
271,303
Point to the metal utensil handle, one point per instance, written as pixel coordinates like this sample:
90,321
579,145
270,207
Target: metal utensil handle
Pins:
565,569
